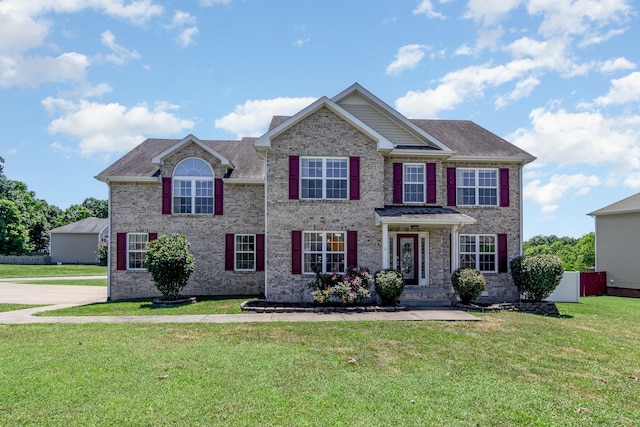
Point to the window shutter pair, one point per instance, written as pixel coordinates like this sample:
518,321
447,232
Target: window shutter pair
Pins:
229,252
121,249
294,178
218,196
296,250
430,183
503,185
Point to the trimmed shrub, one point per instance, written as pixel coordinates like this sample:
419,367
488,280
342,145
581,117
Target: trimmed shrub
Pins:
171,263
389,285
350,288
536,276
468,284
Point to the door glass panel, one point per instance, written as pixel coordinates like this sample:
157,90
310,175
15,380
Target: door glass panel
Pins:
407,258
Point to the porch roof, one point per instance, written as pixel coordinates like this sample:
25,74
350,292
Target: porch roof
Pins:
421,215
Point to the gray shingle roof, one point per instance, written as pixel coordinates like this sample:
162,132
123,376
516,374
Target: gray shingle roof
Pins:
89,225
630,204
137,162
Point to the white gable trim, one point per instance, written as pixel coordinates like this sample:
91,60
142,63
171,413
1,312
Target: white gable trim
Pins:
381,105
159,159
264,142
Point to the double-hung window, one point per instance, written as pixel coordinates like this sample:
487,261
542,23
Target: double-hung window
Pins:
413,183
193,187
245,252
478,251
324,178
136,250
477,187
323,251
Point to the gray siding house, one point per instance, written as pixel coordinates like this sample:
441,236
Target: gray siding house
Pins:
77,243
618,245
346,181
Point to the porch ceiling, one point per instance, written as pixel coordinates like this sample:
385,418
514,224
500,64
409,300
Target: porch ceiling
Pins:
434,216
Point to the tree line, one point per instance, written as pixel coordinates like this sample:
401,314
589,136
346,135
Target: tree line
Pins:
25,220
576,254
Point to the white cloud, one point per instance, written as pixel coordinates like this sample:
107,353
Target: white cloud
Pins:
407,58
616,64
33,71
186,36
119,55
522,90
623,90
632,180
181,19
252,118
425,7
548,195
597,38
112,128
490,12
185,25
301,42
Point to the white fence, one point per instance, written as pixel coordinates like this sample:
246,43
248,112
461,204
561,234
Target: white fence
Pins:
569,288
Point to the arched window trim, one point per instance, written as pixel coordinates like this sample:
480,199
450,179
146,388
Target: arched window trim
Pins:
193,194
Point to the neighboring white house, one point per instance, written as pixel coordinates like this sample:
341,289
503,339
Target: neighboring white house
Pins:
618,245
77,243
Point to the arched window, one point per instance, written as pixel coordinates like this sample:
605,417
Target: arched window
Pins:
193,187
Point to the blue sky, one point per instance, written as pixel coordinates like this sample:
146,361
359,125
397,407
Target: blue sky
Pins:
84,81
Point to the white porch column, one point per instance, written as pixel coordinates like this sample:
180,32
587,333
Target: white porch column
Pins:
385,246
455,247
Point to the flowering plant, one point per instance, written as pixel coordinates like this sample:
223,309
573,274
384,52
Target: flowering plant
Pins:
349,288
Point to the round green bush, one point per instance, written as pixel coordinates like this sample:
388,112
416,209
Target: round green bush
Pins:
536,276
171,263
389,285
468,284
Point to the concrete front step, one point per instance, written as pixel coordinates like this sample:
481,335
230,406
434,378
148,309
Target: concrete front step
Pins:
427,297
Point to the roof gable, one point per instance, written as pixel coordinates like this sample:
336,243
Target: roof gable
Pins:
159,158
91,225
263,143
629,205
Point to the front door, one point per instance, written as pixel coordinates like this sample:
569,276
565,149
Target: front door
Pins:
408,257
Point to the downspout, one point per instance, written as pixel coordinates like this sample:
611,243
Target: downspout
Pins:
110,238
521,213
266,227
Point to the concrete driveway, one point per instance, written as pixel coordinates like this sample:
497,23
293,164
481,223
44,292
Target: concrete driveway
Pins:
50,294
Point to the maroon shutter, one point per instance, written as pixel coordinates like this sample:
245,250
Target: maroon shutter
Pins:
504,187
260,252
397,183
166,196
352,248
153,236
121,251
219,197
229,252
296,252
502,253
294,177
451,186
354,178
431,183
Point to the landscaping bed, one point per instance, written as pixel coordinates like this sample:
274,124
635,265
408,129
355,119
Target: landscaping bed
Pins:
264,306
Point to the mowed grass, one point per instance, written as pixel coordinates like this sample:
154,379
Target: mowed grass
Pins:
580,369
10,270
145,307
65,282
12,307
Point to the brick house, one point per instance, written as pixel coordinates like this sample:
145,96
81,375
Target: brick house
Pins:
346,181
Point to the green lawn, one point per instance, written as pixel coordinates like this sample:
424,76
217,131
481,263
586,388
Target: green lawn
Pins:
580,369
13,307
65,282
11,270
144,307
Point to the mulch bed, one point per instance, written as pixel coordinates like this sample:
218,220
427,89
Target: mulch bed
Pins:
264,306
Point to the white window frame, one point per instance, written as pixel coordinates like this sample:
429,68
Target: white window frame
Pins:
476,186
237,251
192,181
477,252
324,178
324,251
142,252
406,182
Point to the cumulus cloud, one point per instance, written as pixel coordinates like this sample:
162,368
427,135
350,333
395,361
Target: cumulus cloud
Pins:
119,55
425,7
33,71
490,12
185,25
623,90
522,90
112,128
548,195
407,58
617,64
252,118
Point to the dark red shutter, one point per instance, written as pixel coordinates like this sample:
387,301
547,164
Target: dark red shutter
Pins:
397,183
352,248
260,252
502,254
354,178
166,196
296,252
294,177
431,183
121,251
504,187
451,186
219,197
229,252
153,236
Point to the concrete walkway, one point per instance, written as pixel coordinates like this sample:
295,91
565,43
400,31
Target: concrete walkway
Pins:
61,296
